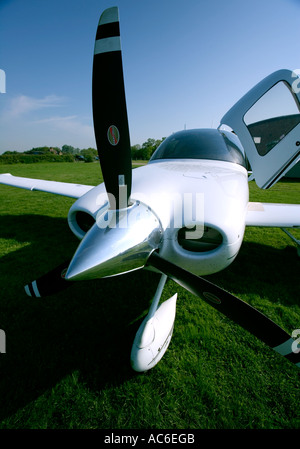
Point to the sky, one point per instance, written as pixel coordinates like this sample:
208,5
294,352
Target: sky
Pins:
186,62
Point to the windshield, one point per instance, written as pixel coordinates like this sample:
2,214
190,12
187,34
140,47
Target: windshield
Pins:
202,144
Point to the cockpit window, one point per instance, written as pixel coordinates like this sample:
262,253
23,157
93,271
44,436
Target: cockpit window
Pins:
201,144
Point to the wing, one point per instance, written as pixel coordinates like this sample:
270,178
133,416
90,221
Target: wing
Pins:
58,188
273,214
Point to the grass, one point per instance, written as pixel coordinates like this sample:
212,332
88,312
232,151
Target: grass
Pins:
67,356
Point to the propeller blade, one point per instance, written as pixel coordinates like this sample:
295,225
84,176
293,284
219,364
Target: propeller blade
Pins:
234,308
50,283
110,112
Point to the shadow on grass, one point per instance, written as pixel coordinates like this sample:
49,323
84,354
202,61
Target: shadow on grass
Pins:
265,271
88,327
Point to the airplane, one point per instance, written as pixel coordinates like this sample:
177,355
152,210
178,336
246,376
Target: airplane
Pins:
184,214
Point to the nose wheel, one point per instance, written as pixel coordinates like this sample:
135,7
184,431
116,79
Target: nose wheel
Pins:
154,334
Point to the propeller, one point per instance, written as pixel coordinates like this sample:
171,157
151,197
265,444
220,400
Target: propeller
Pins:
110,112
234,308
50,283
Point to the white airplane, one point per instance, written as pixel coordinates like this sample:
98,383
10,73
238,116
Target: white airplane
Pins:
184,213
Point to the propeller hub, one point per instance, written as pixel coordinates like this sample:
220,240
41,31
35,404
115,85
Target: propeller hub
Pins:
119,242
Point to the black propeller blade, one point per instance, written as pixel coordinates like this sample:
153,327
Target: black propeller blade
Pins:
50,283
110,112
234,308
111,133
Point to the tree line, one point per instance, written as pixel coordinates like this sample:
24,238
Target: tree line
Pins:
68,153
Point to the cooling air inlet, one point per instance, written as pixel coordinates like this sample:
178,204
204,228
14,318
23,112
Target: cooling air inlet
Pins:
80,222
210,240
84,220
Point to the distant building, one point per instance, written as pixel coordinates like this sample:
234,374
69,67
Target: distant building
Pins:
55,151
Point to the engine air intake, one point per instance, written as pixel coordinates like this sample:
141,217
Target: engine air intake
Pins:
210,240
84,220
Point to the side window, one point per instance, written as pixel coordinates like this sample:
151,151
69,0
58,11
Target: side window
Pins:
272,117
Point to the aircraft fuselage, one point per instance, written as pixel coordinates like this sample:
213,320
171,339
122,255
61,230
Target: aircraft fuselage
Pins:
200,204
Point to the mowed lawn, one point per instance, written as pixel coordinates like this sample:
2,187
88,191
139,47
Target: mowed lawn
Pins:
66,364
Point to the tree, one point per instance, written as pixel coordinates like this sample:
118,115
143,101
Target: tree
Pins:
89,154
68,149
149,147
38,150
145,151
136,152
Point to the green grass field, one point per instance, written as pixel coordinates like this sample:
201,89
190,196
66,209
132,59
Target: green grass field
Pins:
67,356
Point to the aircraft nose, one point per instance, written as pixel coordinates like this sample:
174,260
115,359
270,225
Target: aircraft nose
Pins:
119,242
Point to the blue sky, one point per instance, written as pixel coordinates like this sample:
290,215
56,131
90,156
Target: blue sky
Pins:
186,62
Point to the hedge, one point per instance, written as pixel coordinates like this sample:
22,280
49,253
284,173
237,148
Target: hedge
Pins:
33,158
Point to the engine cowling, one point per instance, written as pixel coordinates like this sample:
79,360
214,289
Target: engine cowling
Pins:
83,213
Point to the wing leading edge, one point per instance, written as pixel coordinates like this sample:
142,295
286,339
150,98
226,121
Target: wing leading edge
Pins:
258,214
58,188
273,215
